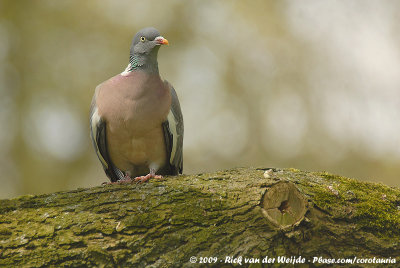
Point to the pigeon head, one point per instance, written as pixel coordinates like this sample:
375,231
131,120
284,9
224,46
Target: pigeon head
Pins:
147,41
144,49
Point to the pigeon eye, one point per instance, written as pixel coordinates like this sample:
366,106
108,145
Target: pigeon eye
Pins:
142,38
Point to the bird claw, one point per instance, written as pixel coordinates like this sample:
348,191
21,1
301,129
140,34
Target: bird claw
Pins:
138,180
142,179
158,177
125,181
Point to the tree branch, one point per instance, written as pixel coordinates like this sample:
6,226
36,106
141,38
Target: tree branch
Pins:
240,212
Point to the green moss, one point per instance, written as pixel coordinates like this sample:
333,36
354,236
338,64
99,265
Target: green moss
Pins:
141,220
5,232
361,203
99,257
67,237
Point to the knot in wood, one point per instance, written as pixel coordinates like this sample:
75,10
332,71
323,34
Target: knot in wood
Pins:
284,205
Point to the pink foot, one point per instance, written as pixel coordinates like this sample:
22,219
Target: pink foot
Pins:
142,179
139,179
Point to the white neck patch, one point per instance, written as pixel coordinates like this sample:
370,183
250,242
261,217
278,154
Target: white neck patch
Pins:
127,70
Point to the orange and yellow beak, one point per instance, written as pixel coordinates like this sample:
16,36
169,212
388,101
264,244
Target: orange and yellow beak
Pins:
161,40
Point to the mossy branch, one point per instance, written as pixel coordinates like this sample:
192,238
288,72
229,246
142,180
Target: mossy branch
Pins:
240,212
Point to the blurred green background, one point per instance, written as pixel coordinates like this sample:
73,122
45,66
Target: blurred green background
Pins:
308,84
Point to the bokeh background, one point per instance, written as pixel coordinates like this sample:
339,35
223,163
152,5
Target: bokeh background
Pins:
308,84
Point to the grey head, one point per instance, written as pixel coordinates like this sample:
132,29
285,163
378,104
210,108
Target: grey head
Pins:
144,50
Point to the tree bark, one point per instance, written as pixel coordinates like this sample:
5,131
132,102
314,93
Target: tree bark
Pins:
191,220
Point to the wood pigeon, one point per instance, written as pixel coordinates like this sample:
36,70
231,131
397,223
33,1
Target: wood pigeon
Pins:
136,122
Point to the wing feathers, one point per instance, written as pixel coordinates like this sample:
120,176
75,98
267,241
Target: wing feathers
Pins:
173,130
98,135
